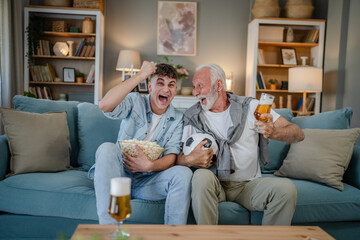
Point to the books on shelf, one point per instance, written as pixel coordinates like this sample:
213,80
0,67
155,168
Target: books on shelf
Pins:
261,56
260,81
91,76
312,36
41,73
309,104
41,92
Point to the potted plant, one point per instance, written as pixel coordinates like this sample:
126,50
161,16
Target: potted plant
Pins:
273,83
79,77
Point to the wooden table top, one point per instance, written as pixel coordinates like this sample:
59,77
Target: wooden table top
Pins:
208,232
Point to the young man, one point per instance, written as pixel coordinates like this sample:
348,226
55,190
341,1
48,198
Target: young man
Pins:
150,118
230,120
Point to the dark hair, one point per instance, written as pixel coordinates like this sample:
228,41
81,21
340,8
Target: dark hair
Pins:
163,69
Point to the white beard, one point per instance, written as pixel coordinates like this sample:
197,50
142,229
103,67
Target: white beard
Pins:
210,99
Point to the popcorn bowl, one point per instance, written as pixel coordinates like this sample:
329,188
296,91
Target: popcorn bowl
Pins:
151,149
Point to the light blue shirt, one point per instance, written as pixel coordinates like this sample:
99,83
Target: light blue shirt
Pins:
135,112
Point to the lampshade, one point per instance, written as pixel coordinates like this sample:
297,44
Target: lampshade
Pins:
128,60
305,79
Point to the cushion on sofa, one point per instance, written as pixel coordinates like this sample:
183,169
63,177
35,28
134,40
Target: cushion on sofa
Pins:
323,156
94,129
43,105
338,119
37,142
68,194
277,149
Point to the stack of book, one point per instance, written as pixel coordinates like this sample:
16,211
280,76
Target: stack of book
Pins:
45,48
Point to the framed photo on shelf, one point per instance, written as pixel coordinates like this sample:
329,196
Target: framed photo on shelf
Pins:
143,86
288,56
69,75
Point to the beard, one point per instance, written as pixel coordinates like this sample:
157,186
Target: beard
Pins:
210,99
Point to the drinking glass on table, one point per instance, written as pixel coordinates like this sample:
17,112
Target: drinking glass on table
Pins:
264,106
120,208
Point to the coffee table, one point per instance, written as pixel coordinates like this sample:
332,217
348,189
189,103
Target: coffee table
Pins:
208,232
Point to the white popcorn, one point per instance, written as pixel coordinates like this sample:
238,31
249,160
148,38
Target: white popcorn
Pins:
151,149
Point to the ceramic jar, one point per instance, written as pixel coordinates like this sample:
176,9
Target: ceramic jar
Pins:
88,26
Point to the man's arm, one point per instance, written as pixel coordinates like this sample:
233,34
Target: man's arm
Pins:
197,158
116,94
280,130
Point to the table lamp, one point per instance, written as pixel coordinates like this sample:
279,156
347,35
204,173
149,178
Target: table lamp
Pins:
128,61
229,81
305,79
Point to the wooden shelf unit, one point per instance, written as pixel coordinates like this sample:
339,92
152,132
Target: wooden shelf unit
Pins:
273,67
72,17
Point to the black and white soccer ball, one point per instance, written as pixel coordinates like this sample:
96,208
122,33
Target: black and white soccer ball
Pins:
192,141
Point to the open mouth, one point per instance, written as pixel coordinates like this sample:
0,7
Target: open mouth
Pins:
203,101
163,99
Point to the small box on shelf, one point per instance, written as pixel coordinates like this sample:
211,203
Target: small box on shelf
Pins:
271,33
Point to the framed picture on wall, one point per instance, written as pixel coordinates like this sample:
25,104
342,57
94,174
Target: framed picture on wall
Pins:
176,28
288,56
143,86
69,74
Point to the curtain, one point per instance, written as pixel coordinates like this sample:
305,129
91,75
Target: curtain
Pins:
11,51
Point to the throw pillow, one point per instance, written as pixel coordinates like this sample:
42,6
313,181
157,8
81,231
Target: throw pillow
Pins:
322,157
37,142
94,129
34,105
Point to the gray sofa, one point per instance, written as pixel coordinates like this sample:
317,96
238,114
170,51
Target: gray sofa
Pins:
43,205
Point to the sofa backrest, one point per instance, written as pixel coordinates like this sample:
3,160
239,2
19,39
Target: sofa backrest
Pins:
93,130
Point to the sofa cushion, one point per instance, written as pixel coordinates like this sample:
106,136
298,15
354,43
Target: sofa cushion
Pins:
37,142
323,156
43,105
320,203
68,194
94,129
338,119
277,149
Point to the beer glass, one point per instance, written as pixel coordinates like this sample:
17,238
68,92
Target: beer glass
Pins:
264,106
120,207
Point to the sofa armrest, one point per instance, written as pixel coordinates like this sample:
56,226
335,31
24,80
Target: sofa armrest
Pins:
352,174
4,156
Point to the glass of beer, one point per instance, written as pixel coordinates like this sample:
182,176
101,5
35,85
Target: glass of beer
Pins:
120,208
264,106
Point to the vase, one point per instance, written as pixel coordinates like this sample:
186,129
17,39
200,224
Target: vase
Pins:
87,26
178,84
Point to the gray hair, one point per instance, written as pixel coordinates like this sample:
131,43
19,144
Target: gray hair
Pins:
216,72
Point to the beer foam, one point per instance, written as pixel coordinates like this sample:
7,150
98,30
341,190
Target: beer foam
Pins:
266,101
120,186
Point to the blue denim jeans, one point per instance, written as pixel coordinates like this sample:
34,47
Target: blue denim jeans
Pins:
173,185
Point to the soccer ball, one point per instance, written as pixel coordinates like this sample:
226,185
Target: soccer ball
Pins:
192,141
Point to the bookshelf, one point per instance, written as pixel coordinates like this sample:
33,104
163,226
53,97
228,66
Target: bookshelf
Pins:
264,56
72,17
